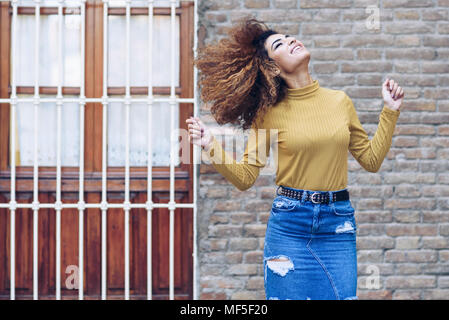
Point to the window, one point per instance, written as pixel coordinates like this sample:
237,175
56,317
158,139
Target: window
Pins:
107,205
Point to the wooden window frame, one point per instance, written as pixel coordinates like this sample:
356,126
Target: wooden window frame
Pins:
93,170
93,111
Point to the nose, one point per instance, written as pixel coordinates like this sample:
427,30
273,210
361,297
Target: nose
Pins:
291,40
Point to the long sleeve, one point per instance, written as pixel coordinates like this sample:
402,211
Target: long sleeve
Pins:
243,173
371,153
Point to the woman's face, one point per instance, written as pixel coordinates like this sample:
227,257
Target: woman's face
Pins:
287,52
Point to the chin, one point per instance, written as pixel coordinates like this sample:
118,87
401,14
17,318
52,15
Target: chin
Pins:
306,55
306,58
303,59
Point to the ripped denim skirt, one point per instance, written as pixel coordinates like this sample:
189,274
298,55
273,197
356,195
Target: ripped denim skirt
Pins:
310,249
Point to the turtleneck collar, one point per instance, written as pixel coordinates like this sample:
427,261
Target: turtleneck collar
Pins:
300,92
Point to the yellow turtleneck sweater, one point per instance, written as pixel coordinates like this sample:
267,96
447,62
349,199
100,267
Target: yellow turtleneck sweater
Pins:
316,127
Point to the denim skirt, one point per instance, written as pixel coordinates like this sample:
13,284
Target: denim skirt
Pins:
310,249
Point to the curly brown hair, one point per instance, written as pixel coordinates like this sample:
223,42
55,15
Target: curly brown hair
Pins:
237,77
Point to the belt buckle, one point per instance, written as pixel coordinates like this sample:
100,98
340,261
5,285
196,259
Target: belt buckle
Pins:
312,199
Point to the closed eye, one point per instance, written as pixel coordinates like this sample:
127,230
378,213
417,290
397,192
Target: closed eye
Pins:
279,44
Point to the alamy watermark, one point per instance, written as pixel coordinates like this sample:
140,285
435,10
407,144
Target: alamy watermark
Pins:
260,149
373,20
373,280
72,281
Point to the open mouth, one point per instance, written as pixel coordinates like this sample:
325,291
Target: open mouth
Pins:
297,47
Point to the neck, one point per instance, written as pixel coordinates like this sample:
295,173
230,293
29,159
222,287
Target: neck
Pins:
298,79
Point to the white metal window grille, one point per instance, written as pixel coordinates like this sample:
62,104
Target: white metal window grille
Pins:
77,109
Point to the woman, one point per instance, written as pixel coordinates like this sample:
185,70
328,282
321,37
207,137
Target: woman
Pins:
260,78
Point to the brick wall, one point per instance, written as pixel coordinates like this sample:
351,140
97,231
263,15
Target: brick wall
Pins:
403,210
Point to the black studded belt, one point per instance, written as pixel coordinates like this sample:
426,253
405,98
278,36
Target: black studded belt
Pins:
314,196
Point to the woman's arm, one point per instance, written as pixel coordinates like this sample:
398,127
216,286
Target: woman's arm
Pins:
371,153
241,174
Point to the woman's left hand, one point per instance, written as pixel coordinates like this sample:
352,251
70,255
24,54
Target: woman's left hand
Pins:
393,94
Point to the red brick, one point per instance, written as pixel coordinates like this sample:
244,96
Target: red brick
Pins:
213,296
411,230
374,295
407,3
325,3
257,4
405,282
285,4
406,295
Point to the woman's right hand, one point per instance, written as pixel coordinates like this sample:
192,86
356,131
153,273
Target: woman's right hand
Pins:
199,133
